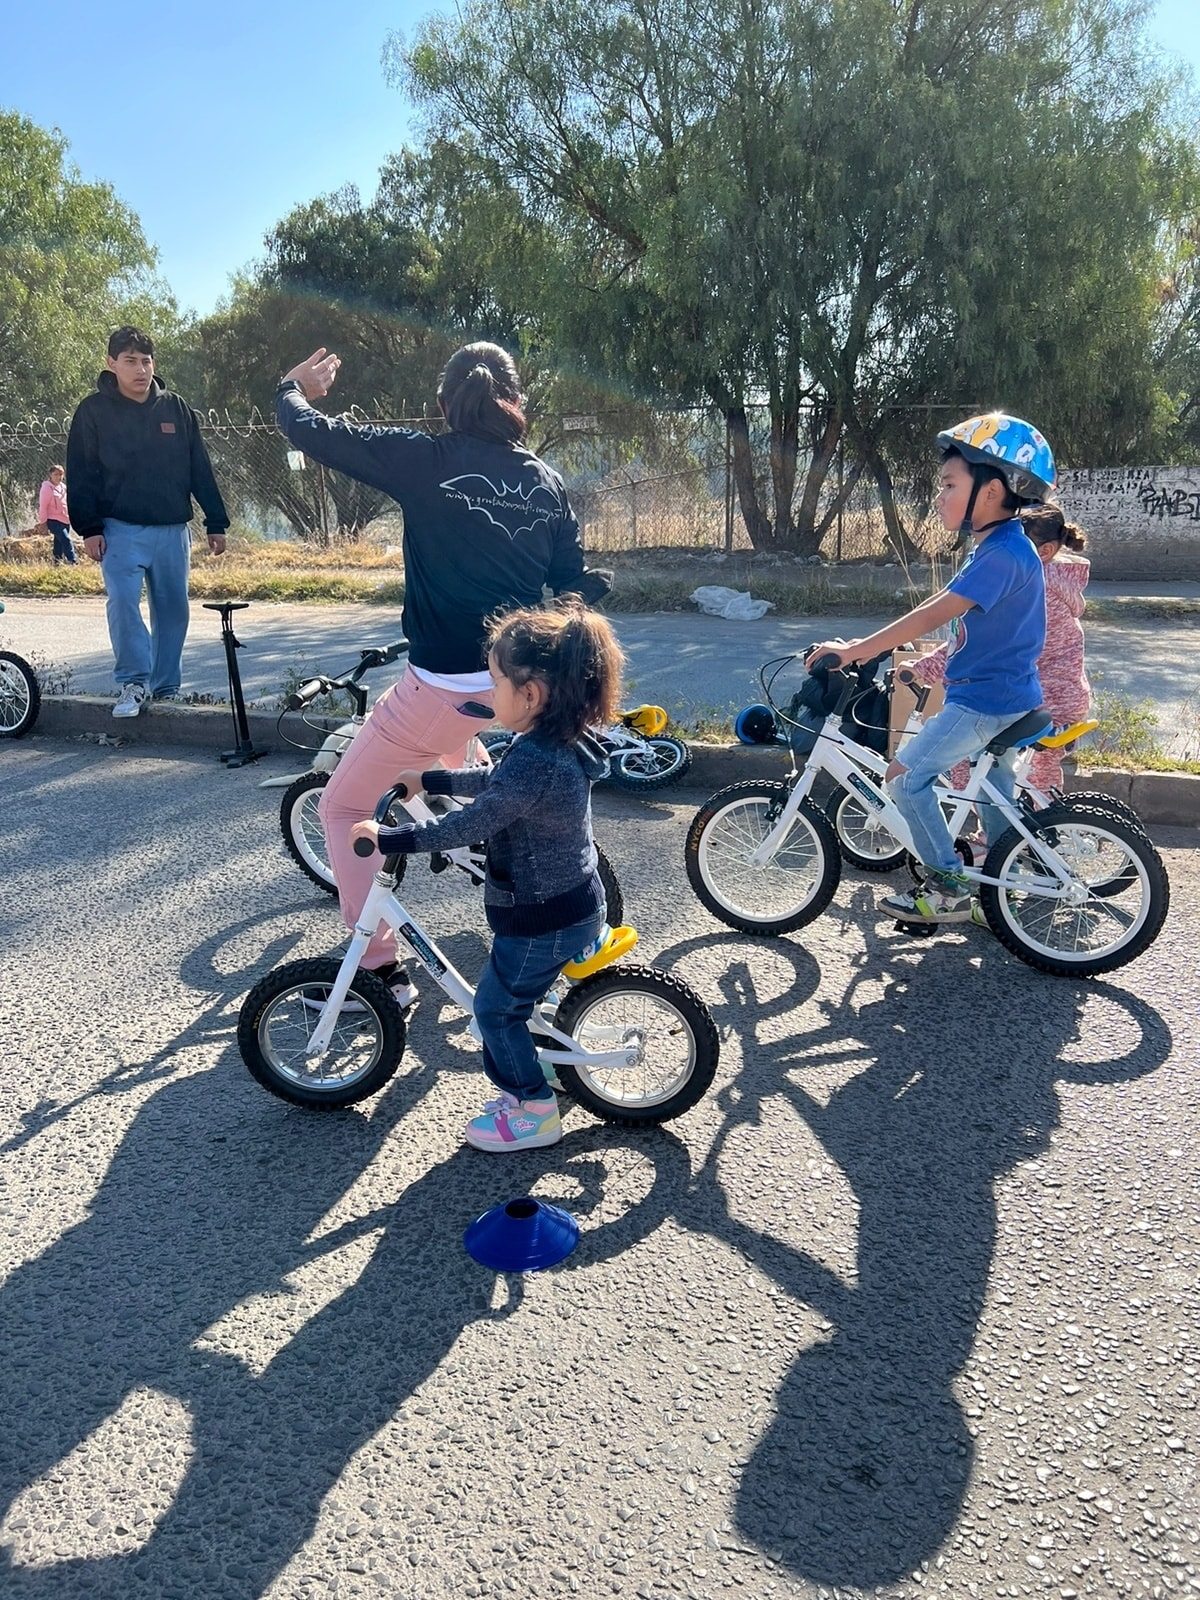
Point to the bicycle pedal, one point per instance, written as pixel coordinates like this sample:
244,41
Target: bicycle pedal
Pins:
917,930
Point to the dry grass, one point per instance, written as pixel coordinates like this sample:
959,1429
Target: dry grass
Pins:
646,580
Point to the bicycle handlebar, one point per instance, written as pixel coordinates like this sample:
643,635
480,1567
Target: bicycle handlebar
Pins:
398,791
377,656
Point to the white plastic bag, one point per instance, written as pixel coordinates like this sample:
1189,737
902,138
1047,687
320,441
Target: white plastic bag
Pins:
719,602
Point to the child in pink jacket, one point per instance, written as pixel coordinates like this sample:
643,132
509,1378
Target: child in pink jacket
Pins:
52,510
1066,693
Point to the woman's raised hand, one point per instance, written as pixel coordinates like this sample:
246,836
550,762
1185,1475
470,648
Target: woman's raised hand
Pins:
315,376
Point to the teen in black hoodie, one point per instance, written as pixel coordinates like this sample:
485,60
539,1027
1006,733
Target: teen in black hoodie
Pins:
135,458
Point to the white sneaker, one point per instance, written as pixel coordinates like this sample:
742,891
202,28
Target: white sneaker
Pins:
133,698
403,991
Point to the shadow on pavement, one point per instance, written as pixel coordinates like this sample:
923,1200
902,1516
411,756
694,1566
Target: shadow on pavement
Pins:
863,1469
213,1197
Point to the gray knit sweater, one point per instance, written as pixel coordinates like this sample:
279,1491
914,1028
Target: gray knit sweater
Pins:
534,810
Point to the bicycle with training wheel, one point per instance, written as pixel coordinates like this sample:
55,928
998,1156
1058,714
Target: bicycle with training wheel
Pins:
1073,889
299,818
641,754
633,1044
20,694
866,843
864,840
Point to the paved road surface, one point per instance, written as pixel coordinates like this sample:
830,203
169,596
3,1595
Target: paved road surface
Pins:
908,1306
692,664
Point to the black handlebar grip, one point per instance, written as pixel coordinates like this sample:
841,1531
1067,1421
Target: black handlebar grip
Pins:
907,675
306,692
364,847
828,661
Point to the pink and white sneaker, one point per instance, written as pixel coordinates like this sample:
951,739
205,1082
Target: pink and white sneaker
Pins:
511,1124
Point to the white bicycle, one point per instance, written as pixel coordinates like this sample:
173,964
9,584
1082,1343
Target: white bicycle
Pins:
642,755
20,694
633,1044
1072,889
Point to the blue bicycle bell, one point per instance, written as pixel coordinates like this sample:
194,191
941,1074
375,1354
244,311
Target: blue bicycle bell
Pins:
522,1235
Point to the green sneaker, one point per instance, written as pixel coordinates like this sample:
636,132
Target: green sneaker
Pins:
941,899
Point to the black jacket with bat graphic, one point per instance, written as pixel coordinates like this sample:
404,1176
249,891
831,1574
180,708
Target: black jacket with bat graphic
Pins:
486,525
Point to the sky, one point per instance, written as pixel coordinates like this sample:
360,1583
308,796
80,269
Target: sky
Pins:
212,120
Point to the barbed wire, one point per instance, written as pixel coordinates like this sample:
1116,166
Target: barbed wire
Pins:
636,478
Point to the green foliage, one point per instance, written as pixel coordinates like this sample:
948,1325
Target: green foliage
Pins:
74,263
1128,728
837,210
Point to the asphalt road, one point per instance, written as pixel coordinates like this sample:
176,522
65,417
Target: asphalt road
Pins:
697,666
907,1306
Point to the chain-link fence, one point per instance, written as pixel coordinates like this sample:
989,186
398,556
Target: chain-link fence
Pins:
637,480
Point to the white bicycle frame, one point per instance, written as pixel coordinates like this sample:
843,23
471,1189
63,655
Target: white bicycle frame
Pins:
860,771
383,906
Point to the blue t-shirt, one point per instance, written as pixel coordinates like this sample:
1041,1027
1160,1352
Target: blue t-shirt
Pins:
994,648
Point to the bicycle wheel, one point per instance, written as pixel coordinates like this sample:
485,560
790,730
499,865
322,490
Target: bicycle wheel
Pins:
668,1031
496,741
1092,801
656,763
1085,933
304,836
277,1020
1097,800
20,696
613,897
787,891
302,831
862,839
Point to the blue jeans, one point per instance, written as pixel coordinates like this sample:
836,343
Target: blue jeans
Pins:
955,734
160,560
517,976
64,550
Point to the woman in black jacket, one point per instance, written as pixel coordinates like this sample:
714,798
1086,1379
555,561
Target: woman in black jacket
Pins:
487,526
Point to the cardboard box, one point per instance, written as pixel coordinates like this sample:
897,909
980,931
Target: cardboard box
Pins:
904,698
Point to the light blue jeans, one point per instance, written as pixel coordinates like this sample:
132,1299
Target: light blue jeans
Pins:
955,734
160,560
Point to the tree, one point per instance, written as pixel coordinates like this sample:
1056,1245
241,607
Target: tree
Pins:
831,211
441,255
74,263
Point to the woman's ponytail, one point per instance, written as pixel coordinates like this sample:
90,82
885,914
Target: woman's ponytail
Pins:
480,394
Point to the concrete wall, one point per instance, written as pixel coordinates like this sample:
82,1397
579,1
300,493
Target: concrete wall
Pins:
1142,522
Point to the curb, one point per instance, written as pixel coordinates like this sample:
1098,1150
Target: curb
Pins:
1164,799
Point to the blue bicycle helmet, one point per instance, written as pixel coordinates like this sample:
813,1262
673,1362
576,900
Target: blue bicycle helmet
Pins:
756,725
1011,447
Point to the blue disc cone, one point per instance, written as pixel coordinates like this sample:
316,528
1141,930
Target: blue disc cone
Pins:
521,1236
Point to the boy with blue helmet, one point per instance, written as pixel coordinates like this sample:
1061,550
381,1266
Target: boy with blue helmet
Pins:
996,608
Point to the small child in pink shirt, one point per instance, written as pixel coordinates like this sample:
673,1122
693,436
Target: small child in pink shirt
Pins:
52,510
1066,693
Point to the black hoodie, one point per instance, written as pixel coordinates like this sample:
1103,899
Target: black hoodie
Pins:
138,461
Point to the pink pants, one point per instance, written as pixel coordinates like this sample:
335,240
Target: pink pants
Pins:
412,726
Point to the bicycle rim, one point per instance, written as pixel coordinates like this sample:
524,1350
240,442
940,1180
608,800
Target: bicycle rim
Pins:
287,1023
645,1015
1120,914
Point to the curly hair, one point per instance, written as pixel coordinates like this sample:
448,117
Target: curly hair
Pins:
573,652
1047,525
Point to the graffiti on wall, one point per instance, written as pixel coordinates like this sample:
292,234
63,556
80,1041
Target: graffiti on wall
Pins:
1141,521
